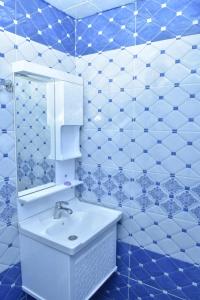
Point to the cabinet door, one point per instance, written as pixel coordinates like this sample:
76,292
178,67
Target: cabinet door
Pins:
73,104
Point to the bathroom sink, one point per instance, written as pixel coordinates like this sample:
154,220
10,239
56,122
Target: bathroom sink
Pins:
71,224
72,232
61,256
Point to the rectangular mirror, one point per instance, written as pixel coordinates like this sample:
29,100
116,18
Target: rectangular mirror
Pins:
34,126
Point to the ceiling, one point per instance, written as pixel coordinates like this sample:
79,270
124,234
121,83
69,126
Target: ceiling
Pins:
83,8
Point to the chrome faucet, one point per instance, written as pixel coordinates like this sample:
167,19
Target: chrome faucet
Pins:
59,207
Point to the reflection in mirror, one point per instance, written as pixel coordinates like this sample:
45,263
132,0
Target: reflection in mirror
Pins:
33,135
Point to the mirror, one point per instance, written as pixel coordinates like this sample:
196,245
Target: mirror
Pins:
35,163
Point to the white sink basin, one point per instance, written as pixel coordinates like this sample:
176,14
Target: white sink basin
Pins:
72,232
73,224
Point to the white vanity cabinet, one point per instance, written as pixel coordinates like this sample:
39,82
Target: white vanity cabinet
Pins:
54,265
51,274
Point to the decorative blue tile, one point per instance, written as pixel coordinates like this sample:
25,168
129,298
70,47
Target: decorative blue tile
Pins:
15,293
4,290
151,21
142,291
11,284
160,190
142,107
166,274
191,292
116,287
123,257
12,275
40,22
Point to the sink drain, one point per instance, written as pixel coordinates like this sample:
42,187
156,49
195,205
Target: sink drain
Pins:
72,237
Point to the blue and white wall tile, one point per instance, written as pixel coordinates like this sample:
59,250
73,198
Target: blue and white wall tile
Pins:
45,36
140,140
39,22
141,22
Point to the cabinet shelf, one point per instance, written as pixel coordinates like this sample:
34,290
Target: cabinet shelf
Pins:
29,198
67,157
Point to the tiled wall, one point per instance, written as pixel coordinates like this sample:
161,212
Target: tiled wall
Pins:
37,21
140,141
45,36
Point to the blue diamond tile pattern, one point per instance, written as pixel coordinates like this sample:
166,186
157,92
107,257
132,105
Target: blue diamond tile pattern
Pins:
45,36
140,141
11,284
38,21
143,274
144,21
141,131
